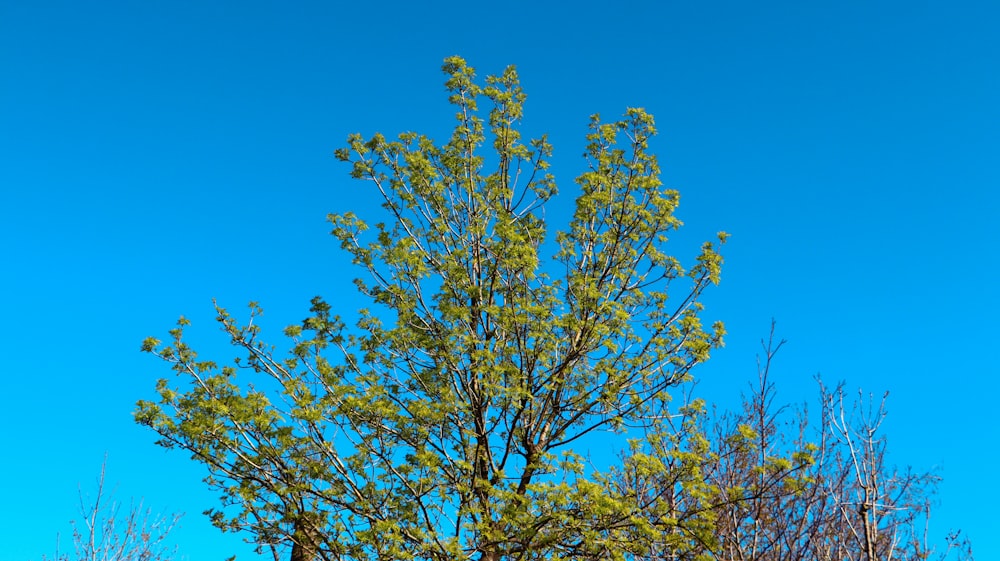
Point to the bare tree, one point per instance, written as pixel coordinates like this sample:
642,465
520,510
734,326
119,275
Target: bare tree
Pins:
109,533
761,484
882,513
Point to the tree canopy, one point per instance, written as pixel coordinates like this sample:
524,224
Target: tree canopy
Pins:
456,417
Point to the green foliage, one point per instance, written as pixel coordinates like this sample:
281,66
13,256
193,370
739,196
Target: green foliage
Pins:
449,422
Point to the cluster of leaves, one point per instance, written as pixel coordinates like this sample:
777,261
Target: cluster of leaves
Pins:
452,420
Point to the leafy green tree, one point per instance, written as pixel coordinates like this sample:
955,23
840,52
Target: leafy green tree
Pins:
451,421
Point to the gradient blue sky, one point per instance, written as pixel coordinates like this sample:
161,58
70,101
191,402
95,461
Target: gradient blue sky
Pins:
154,155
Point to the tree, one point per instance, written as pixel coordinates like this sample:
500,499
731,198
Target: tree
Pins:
110,534
452,421
777,491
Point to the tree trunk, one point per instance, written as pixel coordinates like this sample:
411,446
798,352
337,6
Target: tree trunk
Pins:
305,539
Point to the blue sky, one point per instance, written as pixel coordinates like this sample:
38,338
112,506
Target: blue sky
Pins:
155,155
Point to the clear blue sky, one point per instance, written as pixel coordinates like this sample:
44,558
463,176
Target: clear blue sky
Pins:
154,155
